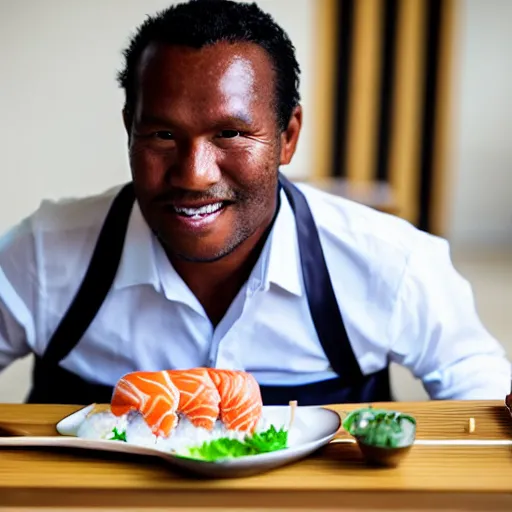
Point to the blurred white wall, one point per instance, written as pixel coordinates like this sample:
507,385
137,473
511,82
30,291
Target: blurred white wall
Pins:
61,131
481,212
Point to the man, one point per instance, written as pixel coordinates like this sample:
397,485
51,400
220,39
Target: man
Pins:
210,257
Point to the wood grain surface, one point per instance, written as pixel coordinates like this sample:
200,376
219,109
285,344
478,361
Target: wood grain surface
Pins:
336,476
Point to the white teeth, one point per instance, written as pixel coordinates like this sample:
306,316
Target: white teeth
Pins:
197,212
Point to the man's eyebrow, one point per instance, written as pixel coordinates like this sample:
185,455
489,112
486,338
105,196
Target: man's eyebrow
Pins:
243,117
239,118
154,119
235,117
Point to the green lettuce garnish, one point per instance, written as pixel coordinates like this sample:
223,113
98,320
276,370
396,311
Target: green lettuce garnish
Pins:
118,436
381,428
269,441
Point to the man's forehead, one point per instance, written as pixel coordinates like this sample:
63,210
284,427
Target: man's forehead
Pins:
232,65
212,85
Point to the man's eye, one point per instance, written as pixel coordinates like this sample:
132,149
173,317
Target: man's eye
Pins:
164,135
229,134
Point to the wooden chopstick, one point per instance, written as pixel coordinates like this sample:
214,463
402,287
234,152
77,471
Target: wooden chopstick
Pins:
463,442
443,442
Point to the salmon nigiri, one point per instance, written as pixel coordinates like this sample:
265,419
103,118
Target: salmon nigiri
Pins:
192,393
153,395
241,403
199,397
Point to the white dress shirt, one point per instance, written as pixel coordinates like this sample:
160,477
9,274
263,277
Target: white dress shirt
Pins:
400,297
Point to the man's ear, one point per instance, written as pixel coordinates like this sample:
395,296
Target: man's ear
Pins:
290,136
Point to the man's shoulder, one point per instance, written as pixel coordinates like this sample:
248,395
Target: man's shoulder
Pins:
349,222
67,226
73,213
367,251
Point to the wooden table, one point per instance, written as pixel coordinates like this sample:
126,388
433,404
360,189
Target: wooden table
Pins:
431,478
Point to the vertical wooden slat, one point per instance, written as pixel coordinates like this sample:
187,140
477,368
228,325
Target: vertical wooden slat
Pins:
441,175
387,89
344,22
325,94
364,90
429,115
404,164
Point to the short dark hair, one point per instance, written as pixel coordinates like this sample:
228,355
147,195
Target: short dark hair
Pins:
199,23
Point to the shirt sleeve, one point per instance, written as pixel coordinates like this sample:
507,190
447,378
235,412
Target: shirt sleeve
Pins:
18,293
437,334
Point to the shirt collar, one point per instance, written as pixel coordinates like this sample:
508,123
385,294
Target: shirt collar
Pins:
138,264
279,263
283,264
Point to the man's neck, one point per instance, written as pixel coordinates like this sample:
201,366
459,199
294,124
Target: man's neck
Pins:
216,284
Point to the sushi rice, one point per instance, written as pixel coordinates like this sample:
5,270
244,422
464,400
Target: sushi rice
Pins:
101,425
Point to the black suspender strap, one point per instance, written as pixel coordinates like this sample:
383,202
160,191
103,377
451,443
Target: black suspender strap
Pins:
98,279
322,301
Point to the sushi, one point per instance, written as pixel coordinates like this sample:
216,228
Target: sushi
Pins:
153,394
201,412
201,395
240,399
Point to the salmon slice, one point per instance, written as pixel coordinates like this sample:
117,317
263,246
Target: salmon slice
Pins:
199,397
153,395
240,399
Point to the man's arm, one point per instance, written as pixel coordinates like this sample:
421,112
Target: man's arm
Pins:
18,293
437,334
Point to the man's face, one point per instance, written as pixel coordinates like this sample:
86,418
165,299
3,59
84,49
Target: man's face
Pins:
205,146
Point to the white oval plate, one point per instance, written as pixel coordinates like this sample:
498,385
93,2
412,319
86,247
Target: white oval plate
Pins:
313,427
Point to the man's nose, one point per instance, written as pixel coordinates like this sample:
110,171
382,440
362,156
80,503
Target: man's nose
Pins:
195,167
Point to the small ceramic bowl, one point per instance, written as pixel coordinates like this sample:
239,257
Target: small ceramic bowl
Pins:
384,437
386,457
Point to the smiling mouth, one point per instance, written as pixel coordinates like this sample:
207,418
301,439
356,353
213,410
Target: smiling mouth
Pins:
199,212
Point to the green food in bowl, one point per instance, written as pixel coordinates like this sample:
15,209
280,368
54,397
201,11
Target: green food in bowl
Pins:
381,428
